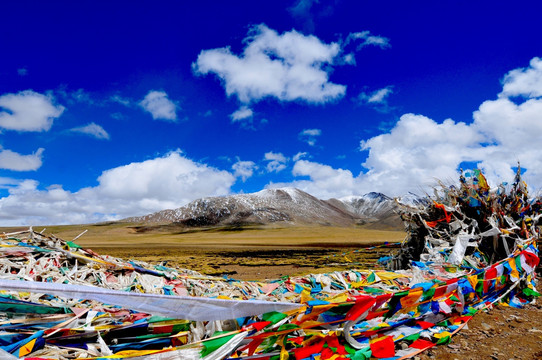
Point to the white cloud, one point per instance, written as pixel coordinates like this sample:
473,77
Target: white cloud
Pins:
415,153
6,183
134,189
288,67
241,114
169,179
28,111
121,100
324,181
418,151
512,132
11,160
367,39
378,99
363,39
93,130
160,107
244,169
309,136
525,81
22,71
276,161
300,155
380,95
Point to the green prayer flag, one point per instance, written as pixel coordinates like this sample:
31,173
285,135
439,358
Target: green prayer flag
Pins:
288,327
156,318
371,290
213,344
349,349
362,354
71,244
428,294
518,264
444,340
530,292
412,337
273,316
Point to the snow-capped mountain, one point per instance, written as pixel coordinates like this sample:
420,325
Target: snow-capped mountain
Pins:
283,205
372,208
369,205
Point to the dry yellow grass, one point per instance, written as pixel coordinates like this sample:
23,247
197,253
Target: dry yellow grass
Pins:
127,234
247,253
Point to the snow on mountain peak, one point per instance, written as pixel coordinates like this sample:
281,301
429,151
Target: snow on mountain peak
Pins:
286,205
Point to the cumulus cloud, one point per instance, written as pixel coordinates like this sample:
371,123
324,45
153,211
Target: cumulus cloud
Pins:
525,81
22,71
28,111
243,113
6,183
159,106
289,66
244,169
93,130
410,157
309,136
170,178
276,161
510,133
417,151
134,189
11,160
325,182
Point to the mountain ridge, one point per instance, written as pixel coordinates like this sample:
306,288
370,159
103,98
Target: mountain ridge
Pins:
284,206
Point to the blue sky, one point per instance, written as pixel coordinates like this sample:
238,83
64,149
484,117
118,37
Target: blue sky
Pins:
115,109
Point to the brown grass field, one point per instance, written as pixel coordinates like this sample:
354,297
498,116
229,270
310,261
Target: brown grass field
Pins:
249,253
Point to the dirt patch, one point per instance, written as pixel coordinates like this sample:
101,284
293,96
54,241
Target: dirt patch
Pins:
501,333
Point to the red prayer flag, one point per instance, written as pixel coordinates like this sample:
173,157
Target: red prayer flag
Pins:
424,324
306,351
333,342
363,303
421,344
383,347
259,325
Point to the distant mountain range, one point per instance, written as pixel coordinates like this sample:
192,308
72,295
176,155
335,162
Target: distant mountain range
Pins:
285,206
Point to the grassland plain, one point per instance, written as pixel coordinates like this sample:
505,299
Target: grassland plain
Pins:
248,253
